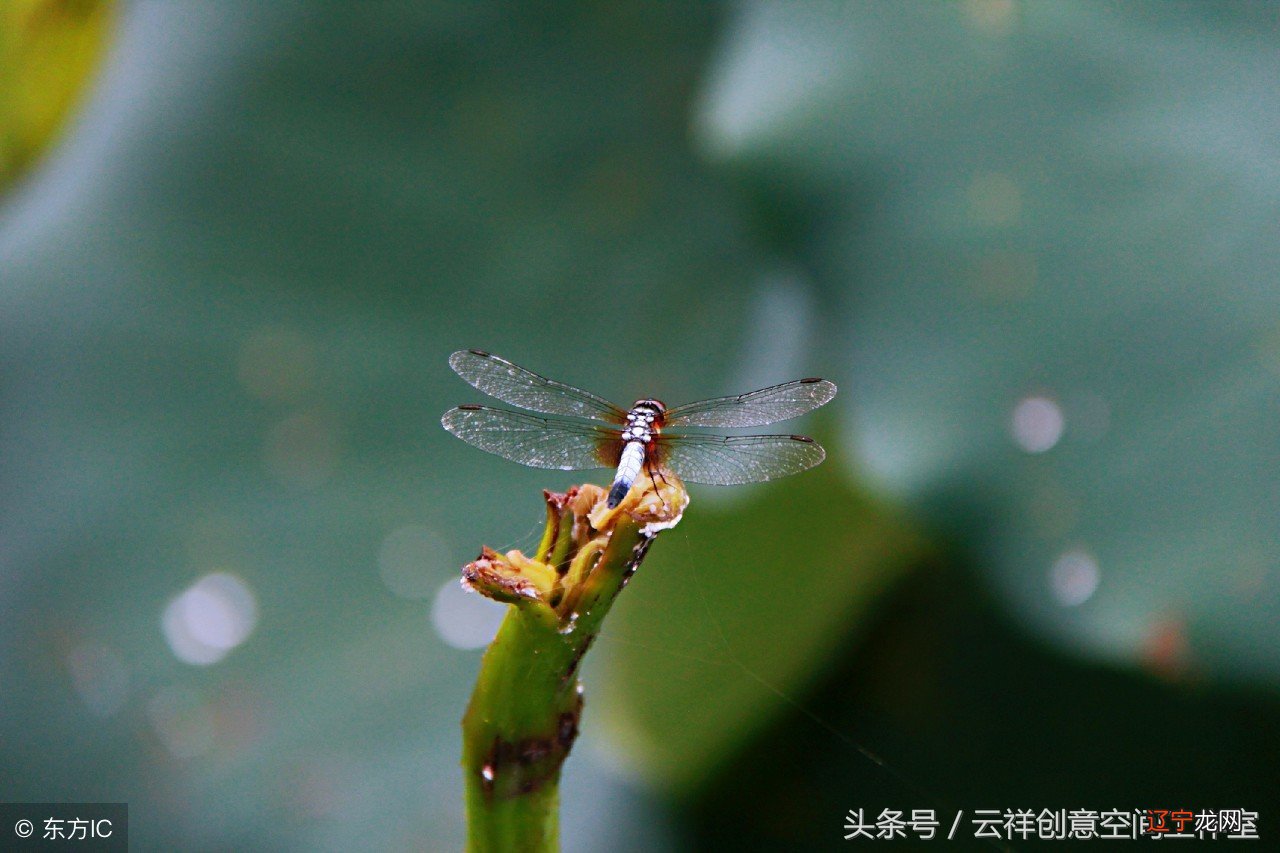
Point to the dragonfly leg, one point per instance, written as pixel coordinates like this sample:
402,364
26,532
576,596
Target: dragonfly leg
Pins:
655,474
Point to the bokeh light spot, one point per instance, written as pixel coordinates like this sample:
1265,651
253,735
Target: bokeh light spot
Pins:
1166,649
182,721
991,17
1037,424
209,619
464,619
1074,578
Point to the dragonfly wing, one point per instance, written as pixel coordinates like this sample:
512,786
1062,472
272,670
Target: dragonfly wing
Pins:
499,378
728,460
534,441
766,406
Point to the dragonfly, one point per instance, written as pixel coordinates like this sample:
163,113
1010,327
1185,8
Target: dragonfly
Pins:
635,439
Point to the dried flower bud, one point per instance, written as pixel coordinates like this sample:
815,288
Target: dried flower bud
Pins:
579,526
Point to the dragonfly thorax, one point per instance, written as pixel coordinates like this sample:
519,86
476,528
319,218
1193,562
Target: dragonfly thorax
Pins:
643,421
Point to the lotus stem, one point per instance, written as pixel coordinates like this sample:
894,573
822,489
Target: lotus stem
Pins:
526,708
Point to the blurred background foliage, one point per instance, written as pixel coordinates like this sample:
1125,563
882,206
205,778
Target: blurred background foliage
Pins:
1034,243
48,48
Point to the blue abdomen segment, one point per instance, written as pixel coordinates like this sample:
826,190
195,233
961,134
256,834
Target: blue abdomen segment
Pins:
628,469
617,493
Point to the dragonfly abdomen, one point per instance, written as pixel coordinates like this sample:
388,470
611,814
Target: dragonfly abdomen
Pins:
643,423
628,469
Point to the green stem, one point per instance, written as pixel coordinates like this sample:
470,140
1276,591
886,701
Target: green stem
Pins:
524,712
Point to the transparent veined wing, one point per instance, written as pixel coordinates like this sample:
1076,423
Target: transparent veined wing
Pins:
534,441
728,460
766,406
499,378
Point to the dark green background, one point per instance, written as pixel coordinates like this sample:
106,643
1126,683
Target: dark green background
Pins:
227,299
